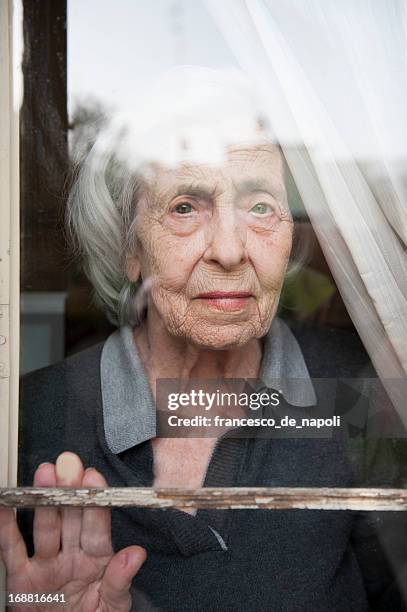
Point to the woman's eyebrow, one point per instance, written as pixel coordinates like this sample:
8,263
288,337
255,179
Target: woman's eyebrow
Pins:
252,185
202,190
193,189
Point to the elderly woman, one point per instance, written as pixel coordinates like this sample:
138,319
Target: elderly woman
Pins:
188,249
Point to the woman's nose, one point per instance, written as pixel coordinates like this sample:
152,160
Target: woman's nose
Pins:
226,241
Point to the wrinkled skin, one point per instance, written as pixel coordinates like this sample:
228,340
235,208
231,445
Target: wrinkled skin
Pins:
199,230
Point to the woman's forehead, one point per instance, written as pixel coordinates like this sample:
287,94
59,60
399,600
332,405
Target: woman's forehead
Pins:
259,166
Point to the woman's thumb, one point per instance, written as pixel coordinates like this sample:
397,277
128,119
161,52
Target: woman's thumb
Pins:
119,573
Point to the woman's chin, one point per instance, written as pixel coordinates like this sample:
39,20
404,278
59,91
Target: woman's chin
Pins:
222,337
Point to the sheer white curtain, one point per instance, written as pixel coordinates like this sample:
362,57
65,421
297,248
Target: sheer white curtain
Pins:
334,79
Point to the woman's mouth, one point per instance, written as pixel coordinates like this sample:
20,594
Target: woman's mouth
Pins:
225,300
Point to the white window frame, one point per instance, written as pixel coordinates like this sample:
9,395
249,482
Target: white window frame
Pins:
9,245
10,70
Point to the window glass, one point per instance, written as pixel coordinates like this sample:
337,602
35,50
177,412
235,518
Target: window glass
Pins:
213,292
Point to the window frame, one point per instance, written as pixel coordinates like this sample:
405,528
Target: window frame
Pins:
9,241
10,70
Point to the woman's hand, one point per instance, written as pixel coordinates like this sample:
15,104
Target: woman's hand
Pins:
73,548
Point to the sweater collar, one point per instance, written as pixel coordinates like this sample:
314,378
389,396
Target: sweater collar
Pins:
129,413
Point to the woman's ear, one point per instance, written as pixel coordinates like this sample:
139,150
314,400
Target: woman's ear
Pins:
133,268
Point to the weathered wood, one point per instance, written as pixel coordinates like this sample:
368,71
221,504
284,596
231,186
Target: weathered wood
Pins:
219,498
10,100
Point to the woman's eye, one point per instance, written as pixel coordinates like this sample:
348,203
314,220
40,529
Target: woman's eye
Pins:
183,208
261,208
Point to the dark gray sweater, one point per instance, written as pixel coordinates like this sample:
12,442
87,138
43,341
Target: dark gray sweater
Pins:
254,560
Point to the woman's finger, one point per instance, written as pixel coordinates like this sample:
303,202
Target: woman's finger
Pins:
69,473
47,520
118,576
96,537
13,550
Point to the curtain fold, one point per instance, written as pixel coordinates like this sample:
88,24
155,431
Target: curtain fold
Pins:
333,80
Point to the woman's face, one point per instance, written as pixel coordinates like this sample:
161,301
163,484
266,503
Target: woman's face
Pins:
213,244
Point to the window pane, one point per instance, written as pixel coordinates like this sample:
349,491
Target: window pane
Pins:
213,290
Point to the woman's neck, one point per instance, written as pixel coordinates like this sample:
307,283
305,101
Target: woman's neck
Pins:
166,356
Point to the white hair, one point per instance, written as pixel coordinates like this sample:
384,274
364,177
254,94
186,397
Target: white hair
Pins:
190,114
